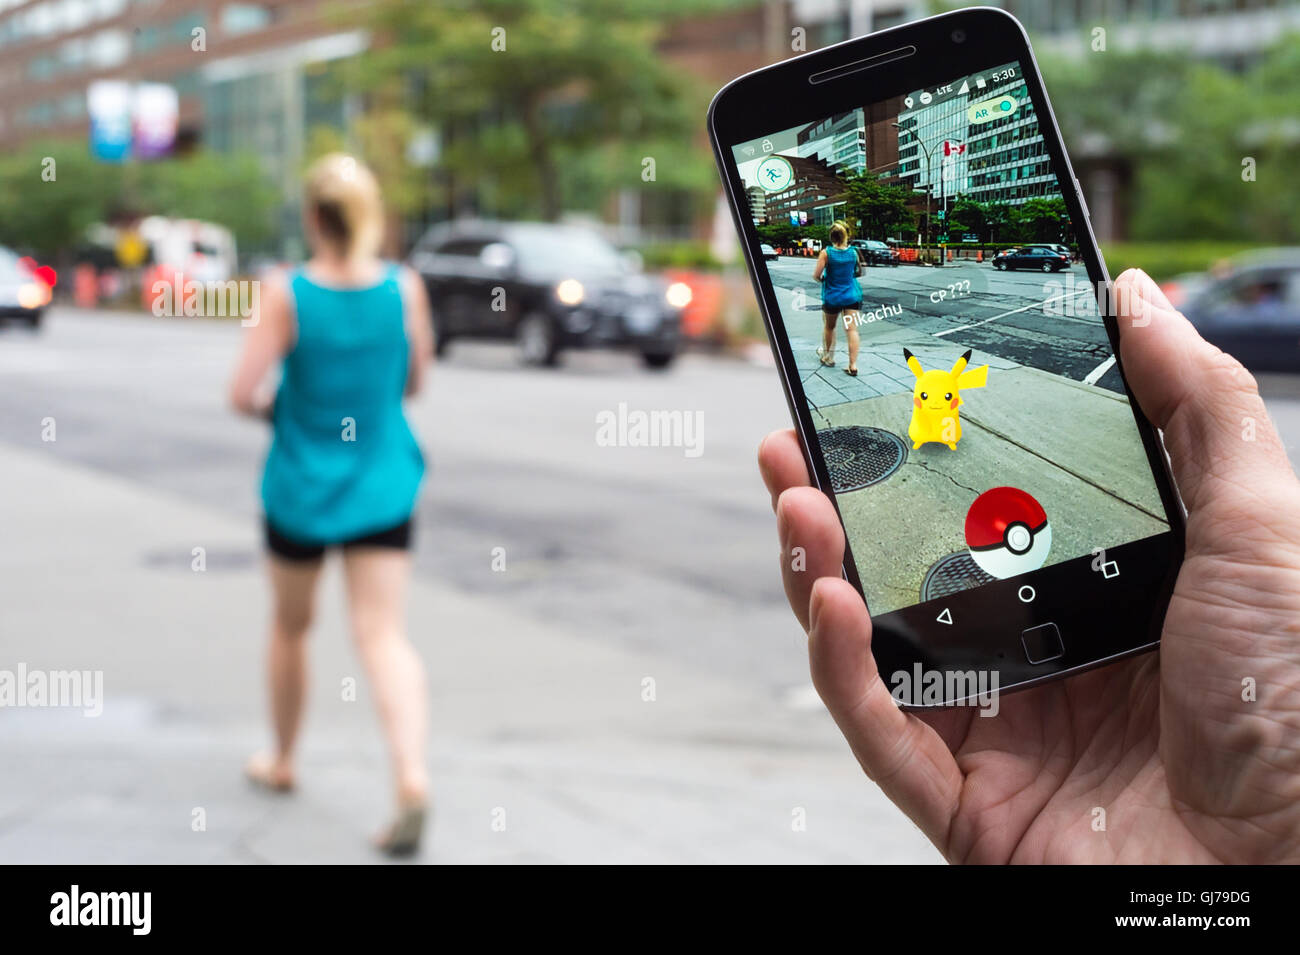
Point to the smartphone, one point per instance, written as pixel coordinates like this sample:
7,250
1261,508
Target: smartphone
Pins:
946,335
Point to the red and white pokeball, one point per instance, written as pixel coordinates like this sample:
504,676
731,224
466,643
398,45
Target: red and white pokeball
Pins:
1007,532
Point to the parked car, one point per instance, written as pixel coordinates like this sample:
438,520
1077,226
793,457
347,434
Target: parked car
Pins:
874,252
1039,257
23,292
549,287
1253,313
769,253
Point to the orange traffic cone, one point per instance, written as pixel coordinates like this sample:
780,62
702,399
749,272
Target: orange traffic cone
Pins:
950,255
979,255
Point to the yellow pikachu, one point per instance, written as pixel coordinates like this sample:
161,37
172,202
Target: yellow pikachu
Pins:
936,398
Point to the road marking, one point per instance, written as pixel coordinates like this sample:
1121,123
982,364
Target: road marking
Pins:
1095,375
1023,308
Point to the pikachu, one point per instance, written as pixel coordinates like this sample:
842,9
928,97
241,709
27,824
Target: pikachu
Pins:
936,398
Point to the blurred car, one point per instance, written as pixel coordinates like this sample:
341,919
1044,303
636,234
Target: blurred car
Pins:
874,252
1184,287
1038,257
23,293
1057,247
549,287
769,253
1253,313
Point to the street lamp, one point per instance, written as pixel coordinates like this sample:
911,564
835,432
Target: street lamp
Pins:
926,151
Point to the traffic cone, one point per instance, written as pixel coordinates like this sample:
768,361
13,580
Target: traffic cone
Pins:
979,255
950,255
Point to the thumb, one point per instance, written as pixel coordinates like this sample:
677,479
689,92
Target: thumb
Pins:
1222,445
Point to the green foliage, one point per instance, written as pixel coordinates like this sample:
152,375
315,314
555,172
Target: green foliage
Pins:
50,217
1187,127
695,254
543,105
1163,260
876,209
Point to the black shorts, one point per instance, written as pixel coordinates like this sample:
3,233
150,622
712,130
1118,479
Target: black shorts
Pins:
833,310
286,548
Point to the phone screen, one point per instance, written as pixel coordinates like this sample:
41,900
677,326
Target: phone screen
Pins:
986,432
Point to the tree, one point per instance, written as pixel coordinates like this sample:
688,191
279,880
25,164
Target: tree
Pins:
879,210
1040,220
1000,220
967,215
536,101
48,215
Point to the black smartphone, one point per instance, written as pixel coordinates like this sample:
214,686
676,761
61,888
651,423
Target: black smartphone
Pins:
946,334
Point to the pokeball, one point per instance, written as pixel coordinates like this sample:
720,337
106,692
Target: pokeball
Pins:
1007,532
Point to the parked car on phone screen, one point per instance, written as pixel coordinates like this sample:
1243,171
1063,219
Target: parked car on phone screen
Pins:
1253,312
548,287
874,252
1039,257
769,253
24,293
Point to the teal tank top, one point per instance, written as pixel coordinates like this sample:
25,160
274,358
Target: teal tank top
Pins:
343,462
841,286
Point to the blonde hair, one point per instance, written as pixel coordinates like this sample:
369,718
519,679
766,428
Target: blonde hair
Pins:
839,232
343,196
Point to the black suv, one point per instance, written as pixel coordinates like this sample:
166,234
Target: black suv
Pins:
874,252
549,287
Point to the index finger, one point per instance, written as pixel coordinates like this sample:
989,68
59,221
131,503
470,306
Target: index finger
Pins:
780,460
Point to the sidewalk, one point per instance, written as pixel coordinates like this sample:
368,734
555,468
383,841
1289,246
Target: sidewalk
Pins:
533,726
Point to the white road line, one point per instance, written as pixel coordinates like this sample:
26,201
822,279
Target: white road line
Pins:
1095,375
1023,308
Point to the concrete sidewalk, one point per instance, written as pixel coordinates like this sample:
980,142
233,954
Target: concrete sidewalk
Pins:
532,727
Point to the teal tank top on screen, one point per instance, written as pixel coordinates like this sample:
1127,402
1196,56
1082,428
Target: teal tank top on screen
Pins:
343,462
841,286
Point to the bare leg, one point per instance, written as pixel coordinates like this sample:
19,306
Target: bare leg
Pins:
377,580
851,334
293,584
828,336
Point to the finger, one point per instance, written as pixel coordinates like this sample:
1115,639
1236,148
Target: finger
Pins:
812,544
780,461
1216,428
904,756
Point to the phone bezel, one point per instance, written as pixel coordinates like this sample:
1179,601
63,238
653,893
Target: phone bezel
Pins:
1127,618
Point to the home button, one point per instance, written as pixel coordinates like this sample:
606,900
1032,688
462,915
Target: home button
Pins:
1042,643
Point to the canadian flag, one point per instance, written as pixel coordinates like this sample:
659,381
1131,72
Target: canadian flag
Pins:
953,149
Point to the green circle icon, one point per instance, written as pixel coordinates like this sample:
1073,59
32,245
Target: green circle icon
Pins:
774,173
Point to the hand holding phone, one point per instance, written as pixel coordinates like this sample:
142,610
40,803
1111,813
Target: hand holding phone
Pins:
1190,756
1008,513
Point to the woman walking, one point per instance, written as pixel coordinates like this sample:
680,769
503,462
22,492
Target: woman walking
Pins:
837,269
352,335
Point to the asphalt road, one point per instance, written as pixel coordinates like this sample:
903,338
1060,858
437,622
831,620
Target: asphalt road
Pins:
1001,313
640,546
643,546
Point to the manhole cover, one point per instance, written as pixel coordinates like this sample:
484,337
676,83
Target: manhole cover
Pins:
858,456
952,574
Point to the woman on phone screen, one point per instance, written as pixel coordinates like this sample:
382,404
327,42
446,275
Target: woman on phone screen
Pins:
837,270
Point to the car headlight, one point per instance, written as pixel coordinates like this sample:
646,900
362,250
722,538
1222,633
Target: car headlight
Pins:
570,292
679,295
33,295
